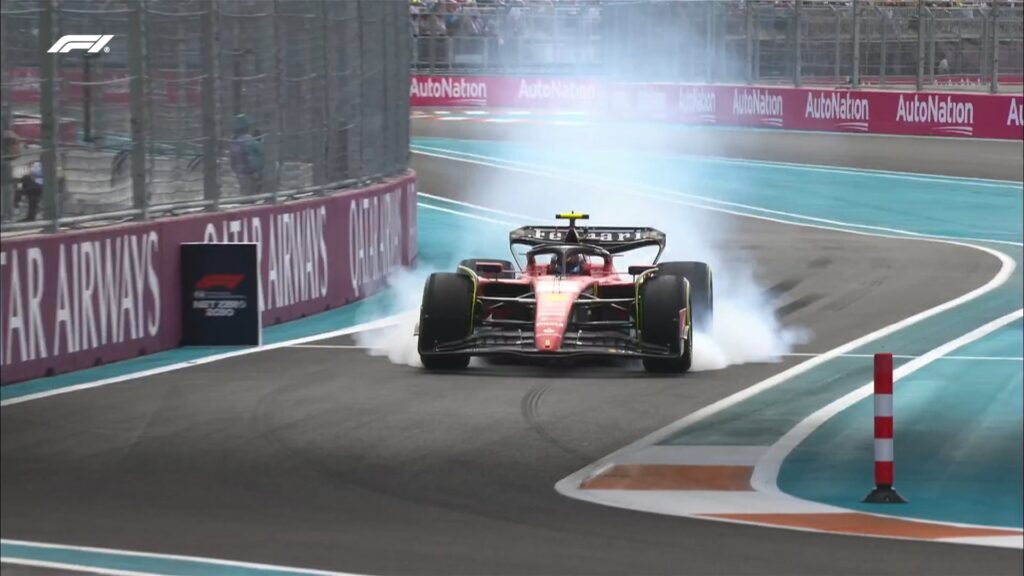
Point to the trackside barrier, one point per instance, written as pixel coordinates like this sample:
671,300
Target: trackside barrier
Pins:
78,299
884,493
960,114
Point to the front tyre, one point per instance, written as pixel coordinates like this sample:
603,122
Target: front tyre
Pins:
446,315
664,320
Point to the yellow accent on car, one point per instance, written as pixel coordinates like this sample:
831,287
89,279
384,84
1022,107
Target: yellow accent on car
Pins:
476,282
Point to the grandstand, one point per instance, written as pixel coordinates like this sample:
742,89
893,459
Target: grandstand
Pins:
726,41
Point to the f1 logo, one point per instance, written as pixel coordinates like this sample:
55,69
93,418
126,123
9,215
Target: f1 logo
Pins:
91,43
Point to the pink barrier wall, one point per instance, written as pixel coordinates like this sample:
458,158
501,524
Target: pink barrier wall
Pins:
826,109
78,299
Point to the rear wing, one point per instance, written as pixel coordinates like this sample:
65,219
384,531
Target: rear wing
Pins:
613,239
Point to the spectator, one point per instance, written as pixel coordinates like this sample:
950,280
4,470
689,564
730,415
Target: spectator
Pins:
31,188
246,155
942,67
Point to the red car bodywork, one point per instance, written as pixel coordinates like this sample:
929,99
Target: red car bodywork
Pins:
555,296
568,299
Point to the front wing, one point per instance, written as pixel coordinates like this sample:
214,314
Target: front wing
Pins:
574,344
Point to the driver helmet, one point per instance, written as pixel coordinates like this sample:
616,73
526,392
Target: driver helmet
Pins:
574,264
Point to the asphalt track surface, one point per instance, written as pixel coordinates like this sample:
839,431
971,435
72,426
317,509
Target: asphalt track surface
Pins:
332,459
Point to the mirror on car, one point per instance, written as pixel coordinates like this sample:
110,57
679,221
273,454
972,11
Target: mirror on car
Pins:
489,268
638,269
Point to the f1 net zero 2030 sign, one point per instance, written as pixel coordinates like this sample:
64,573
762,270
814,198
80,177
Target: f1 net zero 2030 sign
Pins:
220,291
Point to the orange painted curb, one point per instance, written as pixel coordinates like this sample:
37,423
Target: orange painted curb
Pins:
866,524
671,477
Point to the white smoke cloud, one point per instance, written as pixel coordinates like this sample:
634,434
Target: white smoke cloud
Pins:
398,341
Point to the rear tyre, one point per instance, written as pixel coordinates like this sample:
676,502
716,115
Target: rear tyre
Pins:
702,290
507,269
445,316
662,298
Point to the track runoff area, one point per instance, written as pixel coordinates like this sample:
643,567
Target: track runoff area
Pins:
688,460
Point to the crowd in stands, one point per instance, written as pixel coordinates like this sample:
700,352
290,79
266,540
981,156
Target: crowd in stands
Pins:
503,17
495,17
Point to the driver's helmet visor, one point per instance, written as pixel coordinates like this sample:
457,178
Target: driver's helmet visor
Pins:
572,264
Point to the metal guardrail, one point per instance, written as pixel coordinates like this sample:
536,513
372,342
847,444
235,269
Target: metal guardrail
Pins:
195,104
754,41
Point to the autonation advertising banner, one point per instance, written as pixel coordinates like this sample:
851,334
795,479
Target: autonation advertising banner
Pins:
958,114
78,299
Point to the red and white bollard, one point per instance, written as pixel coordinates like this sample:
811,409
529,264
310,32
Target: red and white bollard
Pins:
883,492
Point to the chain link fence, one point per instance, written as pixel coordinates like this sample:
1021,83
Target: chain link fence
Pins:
195,104
973,43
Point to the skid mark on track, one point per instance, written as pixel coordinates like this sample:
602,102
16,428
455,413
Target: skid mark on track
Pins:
530,408
798,304
781,287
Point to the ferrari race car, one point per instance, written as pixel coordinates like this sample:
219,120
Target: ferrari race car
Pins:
567,301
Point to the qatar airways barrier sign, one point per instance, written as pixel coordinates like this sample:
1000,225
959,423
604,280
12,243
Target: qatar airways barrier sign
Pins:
833,110
78,299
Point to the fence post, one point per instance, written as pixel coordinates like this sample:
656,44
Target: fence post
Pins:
920,45
855,80
931,48
279,99
838,43
709,42
797,38
208,85
994,63
750,31
884,493
883,47
47,109
87,97
138,109
6,178
986,57
328,128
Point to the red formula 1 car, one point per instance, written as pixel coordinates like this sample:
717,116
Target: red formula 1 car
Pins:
568,300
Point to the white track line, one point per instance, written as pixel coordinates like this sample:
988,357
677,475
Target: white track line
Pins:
911,357
473,216
382,323
130,554
78,568
330,346
473,206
